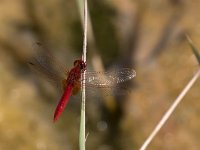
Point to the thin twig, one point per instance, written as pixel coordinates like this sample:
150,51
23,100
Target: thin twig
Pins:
82,124
170,111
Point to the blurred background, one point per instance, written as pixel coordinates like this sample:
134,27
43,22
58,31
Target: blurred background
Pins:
148,36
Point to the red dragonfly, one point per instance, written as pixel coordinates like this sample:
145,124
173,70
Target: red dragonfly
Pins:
70,81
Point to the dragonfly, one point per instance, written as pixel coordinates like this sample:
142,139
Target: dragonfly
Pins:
70,81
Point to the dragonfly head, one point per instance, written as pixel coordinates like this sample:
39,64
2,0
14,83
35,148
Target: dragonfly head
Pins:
80,63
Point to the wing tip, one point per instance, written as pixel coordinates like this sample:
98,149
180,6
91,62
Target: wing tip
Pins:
30,63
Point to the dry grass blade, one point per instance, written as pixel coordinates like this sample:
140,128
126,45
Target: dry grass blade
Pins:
170,111
194,49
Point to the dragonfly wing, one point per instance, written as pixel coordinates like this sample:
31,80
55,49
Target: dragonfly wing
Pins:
43,57
109,79
40,68
44,63
48,74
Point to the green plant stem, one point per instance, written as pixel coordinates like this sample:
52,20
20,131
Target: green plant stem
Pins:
82,139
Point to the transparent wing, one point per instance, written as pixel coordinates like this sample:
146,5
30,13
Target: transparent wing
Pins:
46,65
109,79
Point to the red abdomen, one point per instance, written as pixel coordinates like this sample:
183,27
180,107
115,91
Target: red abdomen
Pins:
63,102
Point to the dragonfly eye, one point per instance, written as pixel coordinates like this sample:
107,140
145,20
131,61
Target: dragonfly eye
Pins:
80,63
